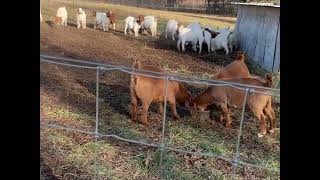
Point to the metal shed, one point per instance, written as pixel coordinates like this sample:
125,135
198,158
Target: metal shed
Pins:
258,33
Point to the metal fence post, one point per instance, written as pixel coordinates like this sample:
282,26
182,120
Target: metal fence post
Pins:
96,133
236,160
163,125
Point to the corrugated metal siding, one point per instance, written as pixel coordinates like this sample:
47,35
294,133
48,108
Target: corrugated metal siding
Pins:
258,31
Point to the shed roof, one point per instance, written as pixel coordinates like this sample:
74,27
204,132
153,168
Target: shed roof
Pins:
258,4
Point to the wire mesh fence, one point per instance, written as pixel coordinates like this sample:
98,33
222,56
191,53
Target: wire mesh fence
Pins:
163,146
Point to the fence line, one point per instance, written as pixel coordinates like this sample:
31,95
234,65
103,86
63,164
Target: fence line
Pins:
99,66
161,75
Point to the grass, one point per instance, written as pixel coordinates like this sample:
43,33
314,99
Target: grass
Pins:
67,154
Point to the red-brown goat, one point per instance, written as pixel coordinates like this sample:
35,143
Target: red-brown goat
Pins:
236,69
225,97
149,90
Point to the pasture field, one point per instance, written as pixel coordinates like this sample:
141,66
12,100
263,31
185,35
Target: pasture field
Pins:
68,99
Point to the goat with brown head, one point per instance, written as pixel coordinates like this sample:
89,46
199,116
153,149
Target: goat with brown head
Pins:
140,19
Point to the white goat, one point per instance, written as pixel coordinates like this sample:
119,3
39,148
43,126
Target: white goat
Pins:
172,27
231,37
81,18
199,36
190,35
220,42
131,24
101,20
62,13
150,22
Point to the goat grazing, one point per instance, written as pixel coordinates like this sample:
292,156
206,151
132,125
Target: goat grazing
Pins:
149,90
225,97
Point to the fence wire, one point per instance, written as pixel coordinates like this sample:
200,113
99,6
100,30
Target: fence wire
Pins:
108,67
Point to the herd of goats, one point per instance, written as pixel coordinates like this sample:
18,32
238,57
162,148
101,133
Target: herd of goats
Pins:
151,90
193,34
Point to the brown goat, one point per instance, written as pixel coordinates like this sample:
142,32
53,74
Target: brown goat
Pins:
112,18
225,97
149,90
236,69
